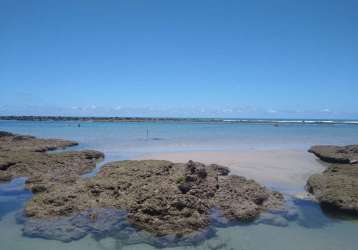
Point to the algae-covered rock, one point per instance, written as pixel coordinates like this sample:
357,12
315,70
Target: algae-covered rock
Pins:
15,142
150,193
336,154
337,187
25,156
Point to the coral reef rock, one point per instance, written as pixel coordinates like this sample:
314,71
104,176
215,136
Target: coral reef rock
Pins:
160,197
337,187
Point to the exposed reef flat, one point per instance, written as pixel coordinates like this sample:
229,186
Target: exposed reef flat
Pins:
161,197
14,142
337,187
25,156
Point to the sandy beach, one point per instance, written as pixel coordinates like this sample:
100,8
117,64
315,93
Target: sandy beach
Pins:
283,169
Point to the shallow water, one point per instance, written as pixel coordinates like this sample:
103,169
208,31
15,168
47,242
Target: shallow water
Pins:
313,229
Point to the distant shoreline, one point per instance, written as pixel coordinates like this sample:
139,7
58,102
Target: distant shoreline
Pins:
276,122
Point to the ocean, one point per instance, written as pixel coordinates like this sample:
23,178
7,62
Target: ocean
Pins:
312,229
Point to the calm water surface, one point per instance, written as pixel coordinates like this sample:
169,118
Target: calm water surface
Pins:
312,229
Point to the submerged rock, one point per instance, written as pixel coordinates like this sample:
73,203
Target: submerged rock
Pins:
337,187
60,230
216,244
273,220
150,192
96,222
102,223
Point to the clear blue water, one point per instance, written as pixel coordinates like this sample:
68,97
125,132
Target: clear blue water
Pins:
125,140
313,229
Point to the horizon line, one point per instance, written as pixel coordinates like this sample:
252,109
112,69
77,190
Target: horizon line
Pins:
151,118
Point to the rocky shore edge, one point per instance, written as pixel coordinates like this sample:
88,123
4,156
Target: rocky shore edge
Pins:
27,156
336,189
161,197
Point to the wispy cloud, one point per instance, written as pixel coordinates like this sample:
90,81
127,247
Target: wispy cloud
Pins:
183,111
272,111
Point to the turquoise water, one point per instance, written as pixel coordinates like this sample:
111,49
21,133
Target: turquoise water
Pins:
311,229
124,140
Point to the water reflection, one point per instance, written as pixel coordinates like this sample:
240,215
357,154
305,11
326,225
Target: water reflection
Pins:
109,223
13,196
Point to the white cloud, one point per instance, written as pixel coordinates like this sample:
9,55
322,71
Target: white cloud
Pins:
179,111
272,111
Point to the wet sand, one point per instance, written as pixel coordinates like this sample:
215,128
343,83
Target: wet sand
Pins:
282,169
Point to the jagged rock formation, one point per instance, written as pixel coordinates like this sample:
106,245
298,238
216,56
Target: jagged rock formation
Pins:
161,197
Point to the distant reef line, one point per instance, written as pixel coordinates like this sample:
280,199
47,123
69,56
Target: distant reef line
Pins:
275,122
88,118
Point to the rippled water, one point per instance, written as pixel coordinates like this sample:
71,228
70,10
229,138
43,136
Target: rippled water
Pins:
312,229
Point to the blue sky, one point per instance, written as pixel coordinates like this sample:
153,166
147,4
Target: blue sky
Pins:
278,58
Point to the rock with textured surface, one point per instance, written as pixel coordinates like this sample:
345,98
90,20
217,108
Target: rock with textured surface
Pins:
42,168
15,142
25,156
336,154
337,187
242,199
150,193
